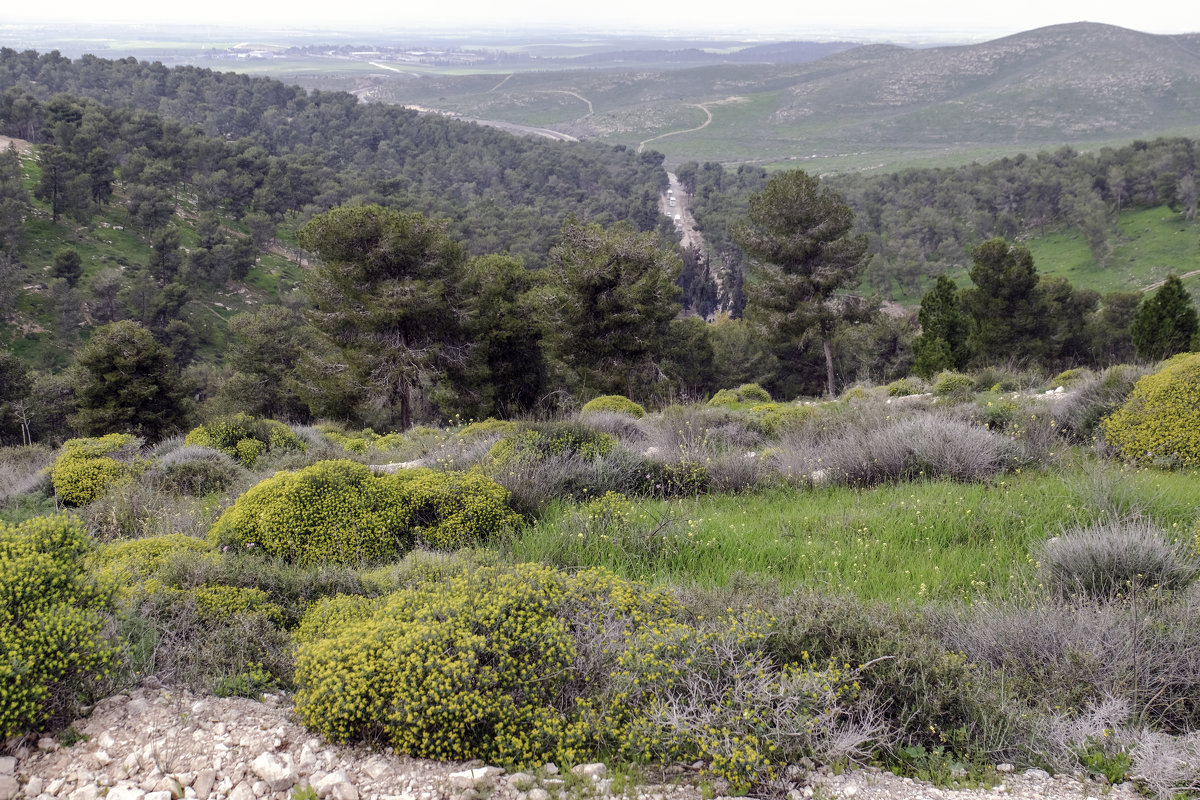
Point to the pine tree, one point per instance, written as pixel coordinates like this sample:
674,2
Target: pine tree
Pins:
944,329
1165,323
799,232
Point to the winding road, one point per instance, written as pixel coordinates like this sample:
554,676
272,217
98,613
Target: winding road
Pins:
702,106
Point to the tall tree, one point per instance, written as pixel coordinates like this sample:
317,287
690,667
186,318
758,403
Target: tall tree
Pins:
505,371
379,294
944,330
1165,323
799,232
126,382
609,301
1007,310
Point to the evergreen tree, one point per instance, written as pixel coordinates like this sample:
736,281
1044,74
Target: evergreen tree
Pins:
1008,313
1165,323
942,343
609,300
125,382
379,293
799,231
504,372
68,266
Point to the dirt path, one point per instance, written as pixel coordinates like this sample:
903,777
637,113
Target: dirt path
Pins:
1154,286
702,106
501,83
591,109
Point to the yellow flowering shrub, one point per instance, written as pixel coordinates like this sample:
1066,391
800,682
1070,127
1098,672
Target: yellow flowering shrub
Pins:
340,512
614,403
775,419
127,563
245,438
51,639
448,510
87,468
484,664
489,427
331,512
746,393
552,439
953,384
1160,421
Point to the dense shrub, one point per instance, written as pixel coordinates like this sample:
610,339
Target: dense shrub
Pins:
746,393
543,440
485,664
1160,422
331,512
51,623
1093,398
953,385
87,468
448,510
1115,559
928,445
339,512
194,471
489,427
613,403
777,419
904,387
245,438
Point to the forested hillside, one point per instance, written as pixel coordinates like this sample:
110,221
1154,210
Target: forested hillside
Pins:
923,222
254,145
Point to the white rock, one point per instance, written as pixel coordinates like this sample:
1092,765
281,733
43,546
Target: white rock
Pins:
275,771
8,765
1037,774
551,768
86,792
34,787
375,768
102,758
324,786
203,784
473,778
537,794
261,788
157,796
241,792
46,744
1004,768
593,771
849,790
8,787
344,791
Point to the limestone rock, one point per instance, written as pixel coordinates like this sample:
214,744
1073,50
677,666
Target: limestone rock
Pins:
8,787
593,771
278,774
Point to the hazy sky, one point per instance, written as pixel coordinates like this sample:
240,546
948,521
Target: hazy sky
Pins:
776,18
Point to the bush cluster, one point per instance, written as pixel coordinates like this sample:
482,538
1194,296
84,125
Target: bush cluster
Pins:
245,438
339,512
51,623
746,393
1160,422
614,404
481,665
89,467
953,385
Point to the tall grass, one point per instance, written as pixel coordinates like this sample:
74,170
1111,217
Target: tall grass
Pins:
917,541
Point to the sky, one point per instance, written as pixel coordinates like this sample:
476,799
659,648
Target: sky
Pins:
768,18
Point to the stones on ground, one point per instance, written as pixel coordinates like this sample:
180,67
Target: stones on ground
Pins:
170,745
593,771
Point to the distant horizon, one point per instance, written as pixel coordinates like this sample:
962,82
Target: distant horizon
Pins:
855,20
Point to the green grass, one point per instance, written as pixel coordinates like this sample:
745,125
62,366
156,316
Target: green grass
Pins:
1148,244
918,541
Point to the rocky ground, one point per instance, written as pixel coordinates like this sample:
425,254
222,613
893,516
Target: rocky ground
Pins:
160,744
